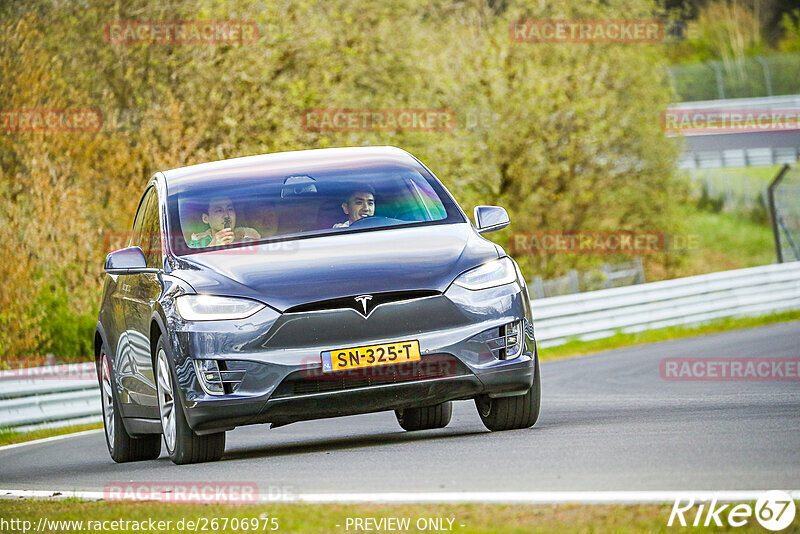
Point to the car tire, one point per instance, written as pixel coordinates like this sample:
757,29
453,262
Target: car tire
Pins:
183,445
512,413
121,446
425,418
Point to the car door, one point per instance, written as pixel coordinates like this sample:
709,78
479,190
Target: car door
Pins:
143,290
114,310
124,368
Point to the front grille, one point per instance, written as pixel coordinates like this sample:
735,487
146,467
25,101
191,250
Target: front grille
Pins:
315,381
375,300
414,313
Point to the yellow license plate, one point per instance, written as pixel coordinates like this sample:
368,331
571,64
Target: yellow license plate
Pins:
370,356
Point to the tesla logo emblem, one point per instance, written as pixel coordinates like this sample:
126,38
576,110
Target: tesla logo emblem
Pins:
363,299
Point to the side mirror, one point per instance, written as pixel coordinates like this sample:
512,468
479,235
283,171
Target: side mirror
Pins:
490,218
127,261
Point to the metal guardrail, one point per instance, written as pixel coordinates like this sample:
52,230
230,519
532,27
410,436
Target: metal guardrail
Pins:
43,397
49,396
774,103
694,299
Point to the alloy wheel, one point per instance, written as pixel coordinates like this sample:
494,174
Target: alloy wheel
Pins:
166,399
108,400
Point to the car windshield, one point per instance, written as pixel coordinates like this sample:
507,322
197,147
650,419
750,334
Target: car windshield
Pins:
236,211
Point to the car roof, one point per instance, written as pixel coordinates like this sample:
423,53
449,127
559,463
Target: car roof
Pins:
294,161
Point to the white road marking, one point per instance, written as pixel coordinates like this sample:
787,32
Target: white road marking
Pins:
511,497
47,440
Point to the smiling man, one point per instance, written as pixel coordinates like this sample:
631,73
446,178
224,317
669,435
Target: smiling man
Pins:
359,204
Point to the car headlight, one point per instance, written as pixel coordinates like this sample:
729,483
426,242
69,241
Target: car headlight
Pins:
492,274
214,308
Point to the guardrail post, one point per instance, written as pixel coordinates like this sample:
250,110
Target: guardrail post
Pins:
639,271
767,77
573,281
538,287
606,270
720,81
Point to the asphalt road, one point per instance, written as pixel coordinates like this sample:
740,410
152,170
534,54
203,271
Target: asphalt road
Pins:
609,422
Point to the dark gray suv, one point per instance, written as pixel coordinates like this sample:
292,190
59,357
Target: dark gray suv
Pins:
304,285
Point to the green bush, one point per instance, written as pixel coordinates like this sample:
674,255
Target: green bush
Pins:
706,202
65,331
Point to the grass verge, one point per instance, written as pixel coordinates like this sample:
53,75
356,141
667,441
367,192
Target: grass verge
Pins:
727,241
714,242
8,437
316,518
577,347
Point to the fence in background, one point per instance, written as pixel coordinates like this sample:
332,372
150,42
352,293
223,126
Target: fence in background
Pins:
776,74
27,404
784,201
734,192
607,276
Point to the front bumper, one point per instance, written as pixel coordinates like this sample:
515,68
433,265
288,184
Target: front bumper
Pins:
282,381
213,414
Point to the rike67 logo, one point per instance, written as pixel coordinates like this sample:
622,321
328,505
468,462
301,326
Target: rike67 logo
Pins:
774,510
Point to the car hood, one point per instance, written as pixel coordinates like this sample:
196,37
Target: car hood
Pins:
290,273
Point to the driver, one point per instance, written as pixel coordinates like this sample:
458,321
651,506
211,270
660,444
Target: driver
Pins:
360,204
221,219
